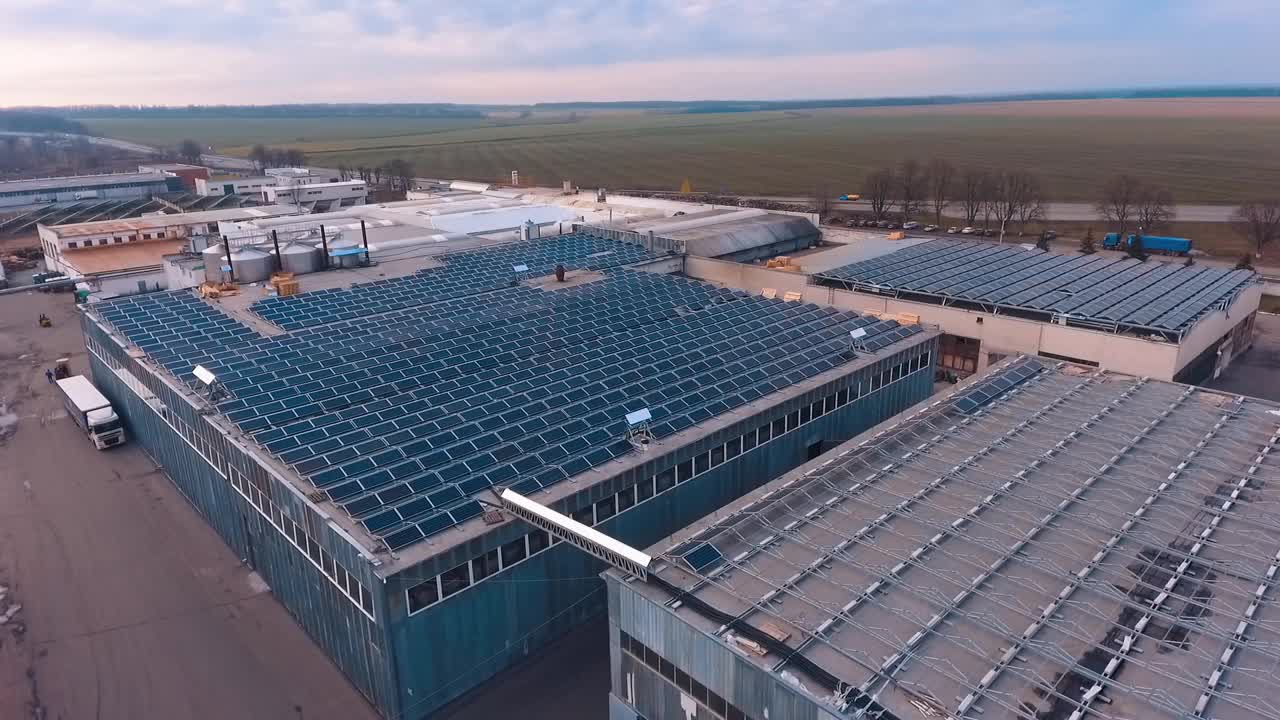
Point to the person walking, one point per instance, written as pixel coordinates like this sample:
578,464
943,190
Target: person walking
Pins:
48,375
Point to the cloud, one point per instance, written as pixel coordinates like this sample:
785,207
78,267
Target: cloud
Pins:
485,51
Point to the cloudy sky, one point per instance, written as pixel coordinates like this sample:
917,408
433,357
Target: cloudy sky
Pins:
59,52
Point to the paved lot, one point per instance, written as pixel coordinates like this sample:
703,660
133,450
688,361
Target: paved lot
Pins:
132,608
1257,372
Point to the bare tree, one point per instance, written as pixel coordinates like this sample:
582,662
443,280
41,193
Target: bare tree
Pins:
1010,191
1258,220
1032,206
401,174
989,190
1155,208
912,184
377,175
259,155
880,187
972,185
821,201
1087,245
190,151
1119,200
293,157
942,175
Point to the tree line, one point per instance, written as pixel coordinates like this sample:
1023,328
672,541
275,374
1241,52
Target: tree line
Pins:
398,174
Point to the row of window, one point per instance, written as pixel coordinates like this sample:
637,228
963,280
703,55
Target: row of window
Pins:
209,446
433,590
674,675
115,240
429,592
347,582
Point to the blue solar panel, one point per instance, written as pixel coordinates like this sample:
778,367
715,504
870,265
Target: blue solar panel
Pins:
405,397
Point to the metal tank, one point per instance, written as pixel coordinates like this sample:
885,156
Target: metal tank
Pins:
347,261
251,265
299,258
214,258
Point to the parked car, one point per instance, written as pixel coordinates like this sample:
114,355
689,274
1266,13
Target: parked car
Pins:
912,225
883,224
895,226
953,230
989,232
968,231
931,228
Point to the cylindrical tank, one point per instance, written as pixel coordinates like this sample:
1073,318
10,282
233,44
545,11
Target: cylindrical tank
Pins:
299,258
214,258
251,265
346,261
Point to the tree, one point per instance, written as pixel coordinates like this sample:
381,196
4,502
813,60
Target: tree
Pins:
988,192
1031,208
344,172
972,184
1087,246
1010,193
1259,221
190,151
912,185
1155,208
377,175
1119,200
294,157
822,201
880,189
941,185
1135,249
401,172
259,155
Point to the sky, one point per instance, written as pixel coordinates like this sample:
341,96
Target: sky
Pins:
177,52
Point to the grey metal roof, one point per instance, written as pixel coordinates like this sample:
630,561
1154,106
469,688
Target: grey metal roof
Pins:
1103,291
1047,541
76,181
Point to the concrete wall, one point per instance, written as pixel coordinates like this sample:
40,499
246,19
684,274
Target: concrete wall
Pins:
752,278
1211,328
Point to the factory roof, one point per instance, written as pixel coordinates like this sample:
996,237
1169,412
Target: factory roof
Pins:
118,258
724,231
1108,291
170,220
403,399
1049,541
170,167
75,181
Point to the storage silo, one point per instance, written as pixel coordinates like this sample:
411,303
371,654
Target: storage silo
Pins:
355,259
251,265
299,258
214,258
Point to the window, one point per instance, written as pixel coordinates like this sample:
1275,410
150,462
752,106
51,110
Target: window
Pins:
584,515
793,421
875,382
682,680
606,509
626,498
806,414
117,240
313,548
484,566
327,561
644,490
664,481
454,580
71,245
684,471
733,448
830,403
423,594
701,463
816,409
513,552
366,600
667,669
699,691
717,456
749,441
353,586
766,431
538,541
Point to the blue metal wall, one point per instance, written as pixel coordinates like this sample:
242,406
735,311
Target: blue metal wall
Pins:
201,460
457,643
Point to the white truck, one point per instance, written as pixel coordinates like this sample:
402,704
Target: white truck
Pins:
92,411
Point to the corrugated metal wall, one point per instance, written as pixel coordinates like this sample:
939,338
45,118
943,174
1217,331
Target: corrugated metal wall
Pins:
454,645
356,644
756,692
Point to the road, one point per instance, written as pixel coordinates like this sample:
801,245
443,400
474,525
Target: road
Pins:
132,607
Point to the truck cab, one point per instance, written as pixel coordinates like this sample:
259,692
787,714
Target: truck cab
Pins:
105,428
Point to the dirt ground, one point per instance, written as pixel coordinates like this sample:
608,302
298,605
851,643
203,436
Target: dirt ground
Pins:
132,607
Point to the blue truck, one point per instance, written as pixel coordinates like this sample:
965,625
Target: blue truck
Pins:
1150,243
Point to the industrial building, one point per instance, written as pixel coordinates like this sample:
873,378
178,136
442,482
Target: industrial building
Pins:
737,235
111,186
234,185
342,440
189,175
1156,319
125,255
1052,541
318,197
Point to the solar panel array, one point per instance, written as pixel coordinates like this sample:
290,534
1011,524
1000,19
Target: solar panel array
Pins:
1104,289
996,384
401,417
464,274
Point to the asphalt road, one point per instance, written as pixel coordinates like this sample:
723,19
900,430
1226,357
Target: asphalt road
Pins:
132,607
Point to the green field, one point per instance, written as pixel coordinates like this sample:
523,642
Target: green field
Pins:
1205,152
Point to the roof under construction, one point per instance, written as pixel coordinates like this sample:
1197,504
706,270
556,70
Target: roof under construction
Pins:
1048,542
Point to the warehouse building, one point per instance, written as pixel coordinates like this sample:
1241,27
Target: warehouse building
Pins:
348,436
735,234
318,197
189,175
1052,542
111,186
1157,319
